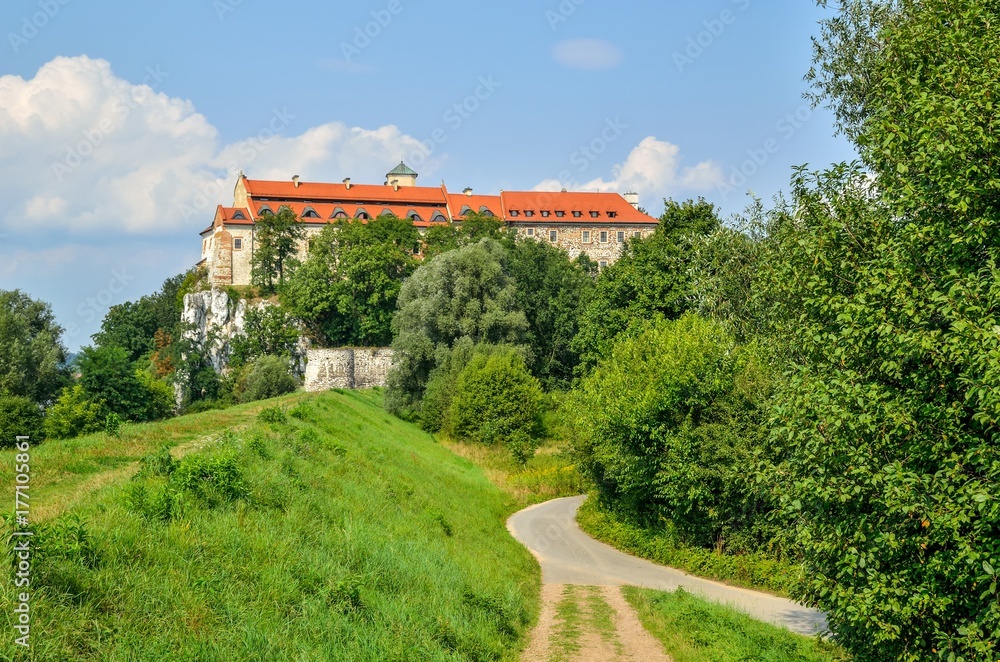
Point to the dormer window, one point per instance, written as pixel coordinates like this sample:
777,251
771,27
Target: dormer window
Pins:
612,214
414,216
595,214
238,216
362,214
560,214
577,214
466,209
438,217
546,214
485,211
339,213
309,212
264,209
514,213
529,213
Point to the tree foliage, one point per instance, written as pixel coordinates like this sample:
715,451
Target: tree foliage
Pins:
133,325
465,293
32,356
19,417
276,243
651,279
668,427
889,286
346,290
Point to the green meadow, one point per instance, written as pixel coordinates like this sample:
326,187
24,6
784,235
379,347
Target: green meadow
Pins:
310,527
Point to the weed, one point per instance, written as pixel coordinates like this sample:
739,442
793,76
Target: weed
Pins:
272,416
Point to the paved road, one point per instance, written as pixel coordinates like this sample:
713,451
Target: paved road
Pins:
570,556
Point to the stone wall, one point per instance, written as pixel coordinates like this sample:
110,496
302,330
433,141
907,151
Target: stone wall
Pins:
347,368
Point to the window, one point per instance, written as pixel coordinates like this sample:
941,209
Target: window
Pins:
264,209
466,209
577,214
595,214
612,214
237,244
553,236
546,214
636,234
560,214
586,236
531,232
414,216
621,237
310,213
238,216
603,263
529,213
362,214
485,211
604,236
438,217
514,213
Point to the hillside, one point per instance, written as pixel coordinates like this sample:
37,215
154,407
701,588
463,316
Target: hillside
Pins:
333,531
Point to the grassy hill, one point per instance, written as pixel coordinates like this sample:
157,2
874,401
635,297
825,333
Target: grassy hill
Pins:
319,529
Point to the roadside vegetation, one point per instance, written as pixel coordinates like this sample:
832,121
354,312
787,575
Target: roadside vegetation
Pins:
695,630
318,527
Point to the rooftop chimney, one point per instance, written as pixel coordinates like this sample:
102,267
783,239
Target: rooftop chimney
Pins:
467,191
347,183
295,180
395,184
632,198
564,190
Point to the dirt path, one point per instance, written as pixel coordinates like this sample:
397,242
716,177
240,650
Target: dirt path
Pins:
589,623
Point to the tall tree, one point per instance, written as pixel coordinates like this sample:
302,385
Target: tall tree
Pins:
650,280
276,243
890,412
345,292
32,355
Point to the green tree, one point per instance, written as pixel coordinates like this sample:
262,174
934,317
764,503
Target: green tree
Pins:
276,243
19,417
133,325
891,297
465,293
73,414
346,290
108,378
32,356
669,426
268,331
497,401
550,290
651,279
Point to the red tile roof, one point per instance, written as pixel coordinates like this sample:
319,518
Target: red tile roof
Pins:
427,201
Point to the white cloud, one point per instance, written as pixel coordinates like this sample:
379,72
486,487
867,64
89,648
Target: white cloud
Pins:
87,152
587,54
653,169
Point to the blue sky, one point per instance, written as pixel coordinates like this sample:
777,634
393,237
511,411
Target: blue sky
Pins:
122,125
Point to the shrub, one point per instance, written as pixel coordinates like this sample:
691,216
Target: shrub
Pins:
272,416
19,417
112,424
267,377
670,427
497,401
73,414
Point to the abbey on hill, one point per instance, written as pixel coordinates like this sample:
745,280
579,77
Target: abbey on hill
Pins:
597,224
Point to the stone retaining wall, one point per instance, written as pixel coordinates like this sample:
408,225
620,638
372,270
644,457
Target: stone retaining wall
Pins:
347,367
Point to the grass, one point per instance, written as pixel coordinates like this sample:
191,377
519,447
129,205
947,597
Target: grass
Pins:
550,474
334,532
756,571
694,630
569,616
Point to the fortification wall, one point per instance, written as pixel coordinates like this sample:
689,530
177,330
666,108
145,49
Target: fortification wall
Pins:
347,367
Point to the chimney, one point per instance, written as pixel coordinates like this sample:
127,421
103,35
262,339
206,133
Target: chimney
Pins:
564,190
632,198
467,191
295,180
395,184
347,183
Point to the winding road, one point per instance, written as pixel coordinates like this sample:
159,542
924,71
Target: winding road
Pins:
569,556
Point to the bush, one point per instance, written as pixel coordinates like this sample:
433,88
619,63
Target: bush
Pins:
670,428
266,377
497,401
73,414
19,417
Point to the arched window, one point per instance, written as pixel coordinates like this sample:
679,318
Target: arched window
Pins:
466,209
238,216
438,217
485,211
413,215
264,209
388,212
362,214
309,212
338,213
